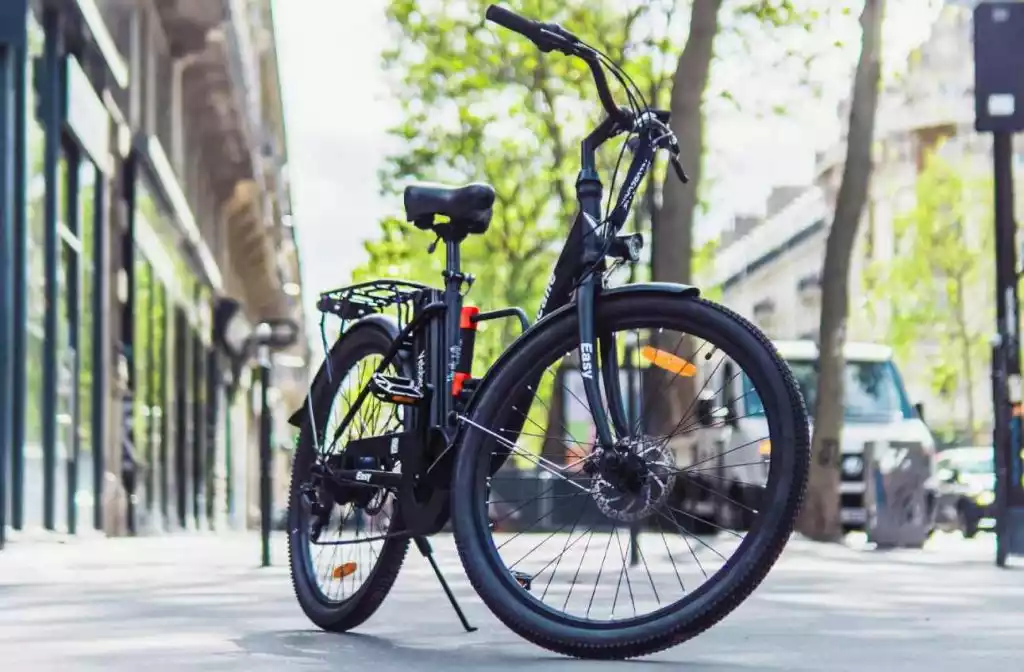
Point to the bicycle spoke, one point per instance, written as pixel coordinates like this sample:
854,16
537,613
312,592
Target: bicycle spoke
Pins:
579,567
541,462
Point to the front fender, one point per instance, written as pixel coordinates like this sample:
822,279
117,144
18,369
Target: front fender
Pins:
686,291
384,322
644,288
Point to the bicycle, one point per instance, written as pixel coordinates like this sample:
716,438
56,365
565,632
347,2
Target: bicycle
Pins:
421,442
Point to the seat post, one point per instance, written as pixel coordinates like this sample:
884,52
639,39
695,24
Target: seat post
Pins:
453,261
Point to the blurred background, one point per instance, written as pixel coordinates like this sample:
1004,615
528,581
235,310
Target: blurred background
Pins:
167,155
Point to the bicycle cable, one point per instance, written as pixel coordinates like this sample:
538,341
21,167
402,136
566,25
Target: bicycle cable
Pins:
636,112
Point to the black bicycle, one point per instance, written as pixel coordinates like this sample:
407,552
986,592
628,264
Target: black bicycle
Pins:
625,526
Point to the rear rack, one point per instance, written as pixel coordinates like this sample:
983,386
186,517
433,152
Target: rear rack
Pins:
366,298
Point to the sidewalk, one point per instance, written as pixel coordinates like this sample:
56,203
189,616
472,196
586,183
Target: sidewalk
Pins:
200,602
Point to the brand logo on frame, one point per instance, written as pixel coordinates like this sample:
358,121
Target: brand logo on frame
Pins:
587,360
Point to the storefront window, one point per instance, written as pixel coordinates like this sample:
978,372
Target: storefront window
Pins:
66,353
163,244
36,299
170,288
179,326
86,225
170,383
157,376
74,188
141,351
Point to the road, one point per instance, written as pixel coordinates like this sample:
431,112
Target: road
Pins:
199,602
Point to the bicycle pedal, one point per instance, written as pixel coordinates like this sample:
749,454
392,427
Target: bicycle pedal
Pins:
395,389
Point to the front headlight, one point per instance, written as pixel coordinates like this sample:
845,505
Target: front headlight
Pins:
852,465
985,498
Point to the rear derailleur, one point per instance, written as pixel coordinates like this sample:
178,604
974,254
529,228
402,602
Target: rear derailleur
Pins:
350,478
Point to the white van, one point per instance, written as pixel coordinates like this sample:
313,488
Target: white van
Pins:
732,451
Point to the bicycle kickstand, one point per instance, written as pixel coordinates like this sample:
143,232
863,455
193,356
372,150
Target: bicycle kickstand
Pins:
423,544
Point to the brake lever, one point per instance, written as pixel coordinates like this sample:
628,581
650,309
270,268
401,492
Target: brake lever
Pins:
678,167
633,142
557,39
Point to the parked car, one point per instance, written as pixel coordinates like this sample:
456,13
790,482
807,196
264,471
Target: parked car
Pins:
877,411
966,496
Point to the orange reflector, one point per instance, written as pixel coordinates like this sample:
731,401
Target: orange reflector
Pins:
765,447
668,361
341,571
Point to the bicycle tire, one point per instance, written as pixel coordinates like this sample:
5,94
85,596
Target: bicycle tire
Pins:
566,635
361,341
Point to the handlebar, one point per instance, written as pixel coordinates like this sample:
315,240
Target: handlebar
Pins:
552,37
653,124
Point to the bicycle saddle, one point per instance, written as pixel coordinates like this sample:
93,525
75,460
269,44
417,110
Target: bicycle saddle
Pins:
468,206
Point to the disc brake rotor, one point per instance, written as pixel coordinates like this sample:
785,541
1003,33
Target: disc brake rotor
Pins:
653,467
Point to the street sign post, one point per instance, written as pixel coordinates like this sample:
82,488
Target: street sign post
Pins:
241,340
999,109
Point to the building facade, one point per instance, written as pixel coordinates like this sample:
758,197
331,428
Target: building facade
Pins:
144,178
771,273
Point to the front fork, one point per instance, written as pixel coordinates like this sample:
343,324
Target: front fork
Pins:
615,417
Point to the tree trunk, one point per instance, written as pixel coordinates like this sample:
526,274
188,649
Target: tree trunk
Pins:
819,519
672,224
554,447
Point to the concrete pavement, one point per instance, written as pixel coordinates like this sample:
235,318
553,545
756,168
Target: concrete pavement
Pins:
199,602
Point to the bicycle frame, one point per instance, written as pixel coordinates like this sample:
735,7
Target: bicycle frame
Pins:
436,331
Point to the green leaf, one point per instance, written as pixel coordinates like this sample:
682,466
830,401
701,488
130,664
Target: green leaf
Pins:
932,284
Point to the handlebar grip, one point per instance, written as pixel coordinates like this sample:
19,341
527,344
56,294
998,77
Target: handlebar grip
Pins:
514,22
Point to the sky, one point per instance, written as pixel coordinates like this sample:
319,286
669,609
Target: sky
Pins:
338,112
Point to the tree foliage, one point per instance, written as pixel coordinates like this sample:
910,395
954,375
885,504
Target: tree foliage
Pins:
936,288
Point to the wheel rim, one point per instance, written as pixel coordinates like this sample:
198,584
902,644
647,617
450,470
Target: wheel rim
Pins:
338,572
637,590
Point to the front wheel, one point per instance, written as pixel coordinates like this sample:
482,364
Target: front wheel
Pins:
546,540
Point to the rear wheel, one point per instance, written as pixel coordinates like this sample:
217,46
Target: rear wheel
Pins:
556,564
341,567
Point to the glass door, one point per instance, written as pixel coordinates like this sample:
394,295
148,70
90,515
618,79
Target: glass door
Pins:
67,348
85,494
142,420
182,416
156,387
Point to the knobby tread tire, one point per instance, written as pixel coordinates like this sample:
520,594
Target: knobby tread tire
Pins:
564,637
359,342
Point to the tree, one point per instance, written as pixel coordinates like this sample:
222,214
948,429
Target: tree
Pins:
819,518
935,288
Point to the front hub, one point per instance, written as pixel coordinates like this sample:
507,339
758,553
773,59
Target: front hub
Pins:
633,478
624,470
